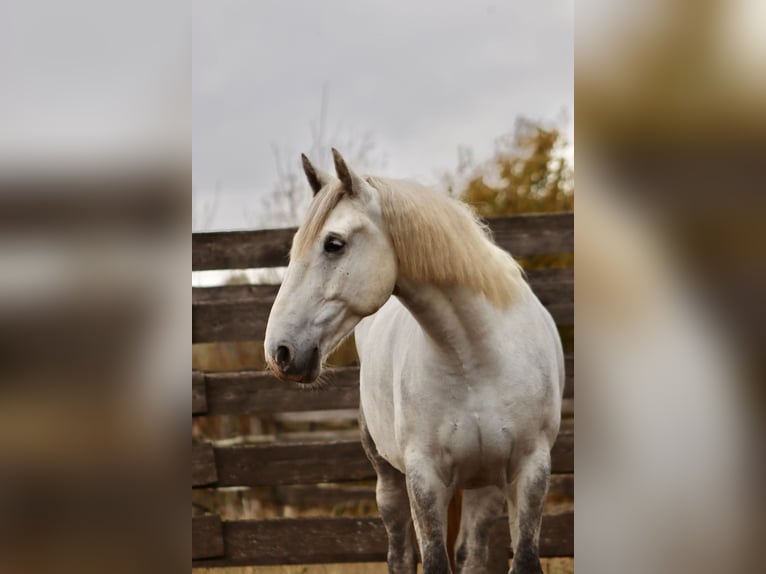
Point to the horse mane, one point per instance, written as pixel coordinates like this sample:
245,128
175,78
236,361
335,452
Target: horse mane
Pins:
436,239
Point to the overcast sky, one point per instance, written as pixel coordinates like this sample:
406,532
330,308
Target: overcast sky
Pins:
421,78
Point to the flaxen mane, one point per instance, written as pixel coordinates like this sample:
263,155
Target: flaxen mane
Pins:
436,239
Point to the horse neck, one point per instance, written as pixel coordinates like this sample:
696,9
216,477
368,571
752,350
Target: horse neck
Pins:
458,322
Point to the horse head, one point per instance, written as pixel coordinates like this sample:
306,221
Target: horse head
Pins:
342,269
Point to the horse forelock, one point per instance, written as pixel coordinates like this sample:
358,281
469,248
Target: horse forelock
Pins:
319,210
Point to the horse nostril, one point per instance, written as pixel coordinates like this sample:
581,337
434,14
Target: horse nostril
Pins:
282,357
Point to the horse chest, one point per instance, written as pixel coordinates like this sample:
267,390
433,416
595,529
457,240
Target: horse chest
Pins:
467,432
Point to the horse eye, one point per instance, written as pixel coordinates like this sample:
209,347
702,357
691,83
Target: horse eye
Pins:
333,244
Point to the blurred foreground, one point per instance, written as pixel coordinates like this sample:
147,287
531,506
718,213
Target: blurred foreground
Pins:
94,330
94,299
671,272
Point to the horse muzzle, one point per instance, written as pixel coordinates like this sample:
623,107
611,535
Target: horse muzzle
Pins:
296,365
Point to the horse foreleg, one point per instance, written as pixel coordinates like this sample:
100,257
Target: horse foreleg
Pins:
429,497
394,508
526,499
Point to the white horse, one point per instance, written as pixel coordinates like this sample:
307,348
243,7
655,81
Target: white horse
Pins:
462,371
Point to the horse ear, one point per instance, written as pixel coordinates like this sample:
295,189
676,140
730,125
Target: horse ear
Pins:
352,183
316,177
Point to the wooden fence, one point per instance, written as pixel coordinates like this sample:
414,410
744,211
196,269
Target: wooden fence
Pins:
301,465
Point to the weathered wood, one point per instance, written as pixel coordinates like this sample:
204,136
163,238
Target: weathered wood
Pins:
316,462
241,249
307,496
207,537
204,470
343,540
245,320
562,484
562,453
330,416
300,463
240,312
233,293
199,399
260,392
256,392
303,436
563,313
550,285
525,235
217,316
520,235
556,535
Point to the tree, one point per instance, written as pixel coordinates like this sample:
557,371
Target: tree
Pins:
528,173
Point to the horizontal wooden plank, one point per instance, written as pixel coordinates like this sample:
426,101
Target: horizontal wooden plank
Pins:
240,312
307,496
328,416
207,537
563,313
343,540
204,470
297,463
310,496
525,235
556,535
561,484
241,249
199,398
550,285
219,316
316,462
245,320
562,453
521,235
256,392
260,392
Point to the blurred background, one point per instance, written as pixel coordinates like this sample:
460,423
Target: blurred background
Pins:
407,90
